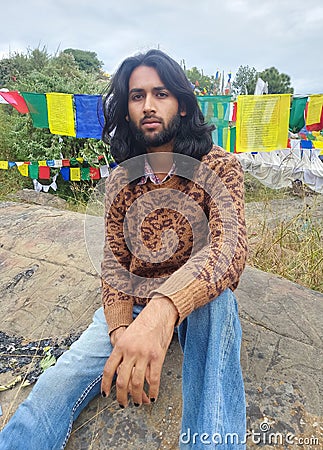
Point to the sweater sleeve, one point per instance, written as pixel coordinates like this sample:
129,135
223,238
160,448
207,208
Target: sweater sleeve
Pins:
218,265
115,277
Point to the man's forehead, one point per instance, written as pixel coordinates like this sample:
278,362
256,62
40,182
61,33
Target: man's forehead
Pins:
142,76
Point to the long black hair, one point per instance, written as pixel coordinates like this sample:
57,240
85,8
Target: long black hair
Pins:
194,137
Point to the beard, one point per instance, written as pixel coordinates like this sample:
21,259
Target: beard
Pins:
166,135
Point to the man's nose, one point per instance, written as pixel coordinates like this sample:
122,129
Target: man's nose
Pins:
149,105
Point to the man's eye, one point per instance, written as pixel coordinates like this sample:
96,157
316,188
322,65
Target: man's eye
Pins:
136,97
162,94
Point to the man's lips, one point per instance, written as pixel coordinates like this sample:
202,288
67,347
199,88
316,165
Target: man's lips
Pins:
150,122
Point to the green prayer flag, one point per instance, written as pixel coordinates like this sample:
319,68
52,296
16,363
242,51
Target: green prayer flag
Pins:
33,171
85,173
296,118
233,135
216,110
37,106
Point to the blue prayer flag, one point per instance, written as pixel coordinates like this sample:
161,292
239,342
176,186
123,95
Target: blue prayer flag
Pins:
89,116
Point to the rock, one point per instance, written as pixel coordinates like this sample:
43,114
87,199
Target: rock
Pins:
39,198
50,287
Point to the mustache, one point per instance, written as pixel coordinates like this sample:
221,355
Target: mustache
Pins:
151,116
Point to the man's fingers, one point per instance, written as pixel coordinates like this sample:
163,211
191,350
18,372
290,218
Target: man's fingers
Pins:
123,383
155,371
137,383
109,371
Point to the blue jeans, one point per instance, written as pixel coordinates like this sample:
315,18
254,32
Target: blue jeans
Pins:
213,392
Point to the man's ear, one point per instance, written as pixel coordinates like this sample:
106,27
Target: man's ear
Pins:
182,111
127,118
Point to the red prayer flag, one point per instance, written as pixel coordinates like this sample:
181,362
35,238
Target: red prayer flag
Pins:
15,100
234,114
95,173
44,172
66,162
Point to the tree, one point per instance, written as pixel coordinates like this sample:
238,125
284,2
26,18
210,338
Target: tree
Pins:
245,80
201,81
278,83
85,60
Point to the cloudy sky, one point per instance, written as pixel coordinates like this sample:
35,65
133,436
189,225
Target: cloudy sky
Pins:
208,34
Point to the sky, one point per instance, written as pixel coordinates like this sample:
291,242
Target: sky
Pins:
208,34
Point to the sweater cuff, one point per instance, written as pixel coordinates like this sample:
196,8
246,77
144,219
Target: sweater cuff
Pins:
184,299
118,314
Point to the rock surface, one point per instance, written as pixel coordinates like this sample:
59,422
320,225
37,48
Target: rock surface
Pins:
49,289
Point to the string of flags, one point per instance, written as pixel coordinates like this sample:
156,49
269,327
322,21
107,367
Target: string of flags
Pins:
74,169
264,123
249,124
77,115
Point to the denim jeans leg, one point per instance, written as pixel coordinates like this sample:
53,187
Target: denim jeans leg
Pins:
44,420
214,410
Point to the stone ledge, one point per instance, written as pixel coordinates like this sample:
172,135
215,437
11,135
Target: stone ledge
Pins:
48,285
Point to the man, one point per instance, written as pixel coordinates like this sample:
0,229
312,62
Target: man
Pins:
175,248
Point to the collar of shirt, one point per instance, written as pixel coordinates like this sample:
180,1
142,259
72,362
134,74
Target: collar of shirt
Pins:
149,174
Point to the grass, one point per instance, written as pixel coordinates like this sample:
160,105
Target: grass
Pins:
10,182
286,234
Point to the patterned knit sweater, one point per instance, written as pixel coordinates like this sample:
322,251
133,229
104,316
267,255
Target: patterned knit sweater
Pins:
184,239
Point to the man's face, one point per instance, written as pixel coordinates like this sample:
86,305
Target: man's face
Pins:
154,114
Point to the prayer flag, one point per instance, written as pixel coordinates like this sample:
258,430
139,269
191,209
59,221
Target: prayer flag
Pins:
85,173
104,171
44,172
23,169
33,171
15,100
75,174
216,110
65,172
60,113
4,165
314,113
95,173
297,114
58,163
42,163
37,106
262,122
89,116
306,144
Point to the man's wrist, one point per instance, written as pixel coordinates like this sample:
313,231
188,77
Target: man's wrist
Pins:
166,305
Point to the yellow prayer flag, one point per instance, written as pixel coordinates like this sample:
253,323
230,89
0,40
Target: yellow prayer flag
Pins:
318,136
23,169
227,146
315,104
61,113
318,144
42,163
80,160
4,165
75,174
262,122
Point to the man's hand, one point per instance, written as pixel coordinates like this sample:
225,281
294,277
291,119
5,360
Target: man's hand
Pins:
116,334
139,353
